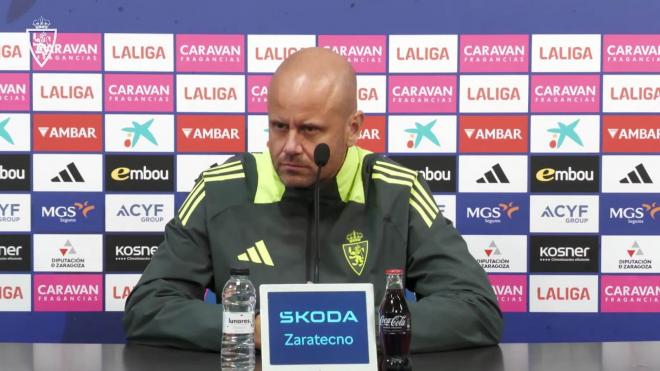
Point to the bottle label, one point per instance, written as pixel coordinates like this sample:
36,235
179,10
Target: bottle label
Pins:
238,323
398,323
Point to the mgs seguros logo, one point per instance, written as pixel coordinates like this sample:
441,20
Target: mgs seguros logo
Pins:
630,214
147,173
130,252
563,253
564,174
67,212
492,214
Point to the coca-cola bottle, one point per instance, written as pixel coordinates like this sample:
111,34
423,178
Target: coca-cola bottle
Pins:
394,324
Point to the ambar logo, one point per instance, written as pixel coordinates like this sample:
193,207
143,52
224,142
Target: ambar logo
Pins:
130,253
631,134
493,134
210,53
71,133
372,134
210,133
139,173
564,253
494,53
15,252
15,173
564,174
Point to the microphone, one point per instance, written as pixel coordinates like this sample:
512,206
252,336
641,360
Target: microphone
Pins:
321,157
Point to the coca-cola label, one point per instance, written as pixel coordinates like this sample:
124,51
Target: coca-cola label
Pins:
238,323
398,323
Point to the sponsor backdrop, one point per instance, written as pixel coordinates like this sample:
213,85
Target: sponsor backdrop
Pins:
542,147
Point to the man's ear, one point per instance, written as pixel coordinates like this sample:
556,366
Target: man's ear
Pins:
353,127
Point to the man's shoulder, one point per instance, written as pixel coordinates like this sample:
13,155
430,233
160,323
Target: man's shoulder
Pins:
382,171
229,182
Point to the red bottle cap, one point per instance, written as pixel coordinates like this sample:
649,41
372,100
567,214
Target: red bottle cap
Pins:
393,271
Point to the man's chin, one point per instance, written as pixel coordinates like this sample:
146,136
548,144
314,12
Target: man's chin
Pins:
297,181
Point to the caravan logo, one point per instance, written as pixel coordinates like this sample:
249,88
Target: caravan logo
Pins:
422,94
631,53
139,93
511,291
210,53
365,52
14,92
68,292
494,53
565,93
630,293
258,93
72,52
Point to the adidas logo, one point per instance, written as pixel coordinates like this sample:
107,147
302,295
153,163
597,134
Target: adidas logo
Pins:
492,249
637,176
494,175
68,175
257,254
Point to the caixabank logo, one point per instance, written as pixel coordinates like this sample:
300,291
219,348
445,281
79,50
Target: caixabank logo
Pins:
117,289
630,254
493,134
15,252
511,291
423,53
630,214
570,174
68,292
630,293
70,133
15,213
494,53
501,93
138,213
210,133
561,214
499,254
138,52
631,174
366,53
631,133
210,53
67,92
565,93
422,94
210,93
500,214
67,212
72,52
631,93
15,292
421,134
569,253
565,53
15,92
14,51
631,53
139,93
139,133
130,252
563,293
565,134
257,93
15,173
14,132
67,253
372,134
438,171
146,173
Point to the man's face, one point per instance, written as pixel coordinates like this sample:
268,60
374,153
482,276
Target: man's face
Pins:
298,121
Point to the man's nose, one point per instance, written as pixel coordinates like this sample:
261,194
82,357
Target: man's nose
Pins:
292,145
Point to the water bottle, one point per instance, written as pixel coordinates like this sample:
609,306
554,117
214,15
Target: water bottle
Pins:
238,299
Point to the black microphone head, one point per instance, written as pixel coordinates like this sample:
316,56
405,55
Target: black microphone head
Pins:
321,154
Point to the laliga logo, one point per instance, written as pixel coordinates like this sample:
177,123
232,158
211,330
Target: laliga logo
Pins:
42,40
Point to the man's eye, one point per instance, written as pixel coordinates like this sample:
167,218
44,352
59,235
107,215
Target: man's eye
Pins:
279,126
310,129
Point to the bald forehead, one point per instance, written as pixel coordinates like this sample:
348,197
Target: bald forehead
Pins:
316,73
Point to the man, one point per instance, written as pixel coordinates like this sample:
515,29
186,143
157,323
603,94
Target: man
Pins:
257,210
